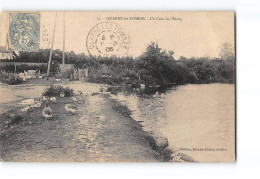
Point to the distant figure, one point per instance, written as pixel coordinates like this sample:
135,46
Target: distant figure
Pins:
47,111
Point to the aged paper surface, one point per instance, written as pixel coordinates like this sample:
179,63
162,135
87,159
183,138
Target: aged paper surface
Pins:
117,86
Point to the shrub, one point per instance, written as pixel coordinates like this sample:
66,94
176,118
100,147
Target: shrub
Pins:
14,81
21,67
55,90
68,92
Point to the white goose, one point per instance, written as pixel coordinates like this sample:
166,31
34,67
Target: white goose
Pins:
47,111
71,108
156,95
37,105
44,98
53,99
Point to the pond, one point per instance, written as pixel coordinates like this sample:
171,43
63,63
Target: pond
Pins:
198,120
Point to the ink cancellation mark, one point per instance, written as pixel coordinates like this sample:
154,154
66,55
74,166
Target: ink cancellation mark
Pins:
107,39
24,31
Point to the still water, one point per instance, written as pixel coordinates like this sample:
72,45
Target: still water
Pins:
198,120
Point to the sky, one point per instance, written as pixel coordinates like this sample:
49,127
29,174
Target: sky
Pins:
198,34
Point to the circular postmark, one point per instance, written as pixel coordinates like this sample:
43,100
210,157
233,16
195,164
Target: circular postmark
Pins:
107,39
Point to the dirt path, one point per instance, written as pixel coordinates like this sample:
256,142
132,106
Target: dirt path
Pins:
96,133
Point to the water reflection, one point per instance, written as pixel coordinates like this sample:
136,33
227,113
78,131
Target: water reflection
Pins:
190,116
141,92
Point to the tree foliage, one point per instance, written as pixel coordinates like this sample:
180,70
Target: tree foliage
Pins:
154,67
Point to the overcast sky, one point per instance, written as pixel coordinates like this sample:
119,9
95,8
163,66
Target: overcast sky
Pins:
198,34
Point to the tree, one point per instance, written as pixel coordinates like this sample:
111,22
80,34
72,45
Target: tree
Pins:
226,51
156,66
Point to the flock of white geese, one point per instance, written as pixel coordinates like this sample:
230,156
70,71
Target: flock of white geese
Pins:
47,111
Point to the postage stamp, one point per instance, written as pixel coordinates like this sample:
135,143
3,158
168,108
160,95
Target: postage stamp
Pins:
24,31
107,39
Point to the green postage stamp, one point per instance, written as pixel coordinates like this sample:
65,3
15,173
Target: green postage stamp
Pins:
24,31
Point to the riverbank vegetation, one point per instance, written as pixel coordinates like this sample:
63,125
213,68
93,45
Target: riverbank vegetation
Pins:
155,67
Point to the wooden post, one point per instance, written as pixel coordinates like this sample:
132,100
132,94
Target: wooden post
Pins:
49,62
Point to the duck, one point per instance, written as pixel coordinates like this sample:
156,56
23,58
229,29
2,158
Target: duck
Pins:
71,108
47,112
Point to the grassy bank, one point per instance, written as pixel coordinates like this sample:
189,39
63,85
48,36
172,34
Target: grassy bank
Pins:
25,133
157,143
30,137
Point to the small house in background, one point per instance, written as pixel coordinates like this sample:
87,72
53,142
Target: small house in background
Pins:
5,54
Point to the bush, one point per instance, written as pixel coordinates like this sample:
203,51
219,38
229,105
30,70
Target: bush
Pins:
11,79
68,92
14,81
55,90
20,68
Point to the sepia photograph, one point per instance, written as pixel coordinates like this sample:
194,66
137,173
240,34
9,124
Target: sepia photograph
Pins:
118,86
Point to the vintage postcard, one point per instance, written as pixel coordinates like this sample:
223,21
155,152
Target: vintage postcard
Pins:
117,86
